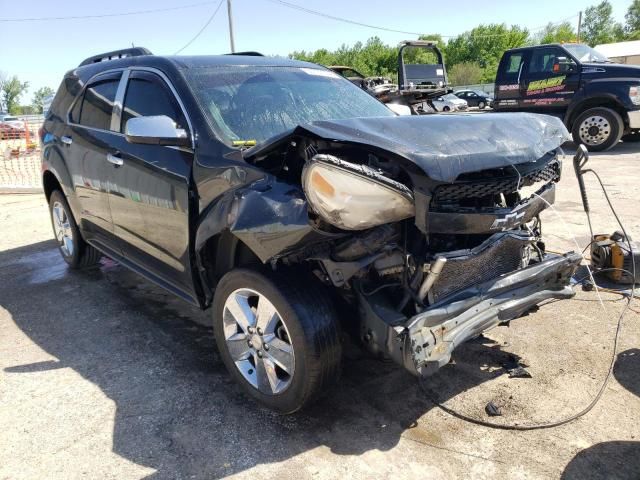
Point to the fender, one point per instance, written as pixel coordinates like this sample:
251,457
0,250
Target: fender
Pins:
601,99
53,161
269,216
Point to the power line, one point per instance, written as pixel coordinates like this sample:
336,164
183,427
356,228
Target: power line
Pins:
375,27
202,29
339,19
121,14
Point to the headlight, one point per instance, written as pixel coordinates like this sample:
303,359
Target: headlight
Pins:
634,94
354,197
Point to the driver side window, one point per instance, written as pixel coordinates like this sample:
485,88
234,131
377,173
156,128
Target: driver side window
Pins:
148,95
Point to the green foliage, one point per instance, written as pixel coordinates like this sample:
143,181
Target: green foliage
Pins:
11,89
39,96
632,21
372,58
485,45
598,26
465,73
557,33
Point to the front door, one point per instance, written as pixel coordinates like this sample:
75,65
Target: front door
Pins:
149,196
552,78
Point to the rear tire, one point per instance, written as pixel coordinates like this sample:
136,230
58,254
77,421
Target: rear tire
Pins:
598,129
446,109
304,326
74,250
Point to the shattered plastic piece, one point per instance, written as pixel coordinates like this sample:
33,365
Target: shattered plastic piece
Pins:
519,372
493,410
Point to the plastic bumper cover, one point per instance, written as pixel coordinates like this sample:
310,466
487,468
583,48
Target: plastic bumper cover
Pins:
634,119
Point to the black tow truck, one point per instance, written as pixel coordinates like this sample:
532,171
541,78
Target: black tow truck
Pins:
598,100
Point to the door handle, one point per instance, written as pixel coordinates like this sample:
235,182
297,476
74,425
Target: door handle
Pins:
117,161
66,140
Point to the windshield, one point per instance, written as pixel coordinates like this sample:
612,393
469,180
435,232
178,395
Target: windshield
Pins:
585,53
449,96
247,104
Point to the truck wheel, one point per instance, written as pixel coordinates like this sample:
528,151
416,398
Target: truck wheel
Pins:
598,129
278,337
74,250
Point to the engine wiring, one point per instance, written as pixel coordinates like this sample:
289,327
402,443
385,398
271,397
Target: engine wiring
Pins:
630,297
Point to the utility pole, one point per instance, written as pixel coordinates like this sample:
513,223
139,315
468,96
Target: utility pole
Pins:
579,24
233,46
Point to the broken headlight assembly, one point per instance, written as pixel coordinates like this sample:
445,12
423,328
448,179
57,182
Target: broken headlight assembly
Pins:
354,197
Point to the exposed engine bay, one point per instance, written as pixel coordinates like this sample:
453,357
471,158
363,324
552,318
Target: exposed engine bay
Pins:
432,241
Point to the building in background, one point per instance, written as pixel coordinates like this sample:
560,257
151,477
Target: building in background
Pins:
621,52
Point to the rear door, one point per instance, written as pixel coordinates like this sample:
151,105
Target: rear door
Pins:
88,142
510,82
552,79
151,187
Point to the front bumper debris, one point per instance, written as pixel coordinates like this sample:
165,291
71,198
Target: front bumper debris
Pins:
425,342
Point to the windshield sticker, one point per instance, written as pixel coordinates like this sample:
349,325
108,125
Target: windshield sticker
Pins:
320,73
552,84
439,71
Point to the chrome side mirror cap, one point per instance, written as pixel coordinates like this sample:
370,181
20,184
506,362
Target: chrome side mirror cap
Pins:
155,130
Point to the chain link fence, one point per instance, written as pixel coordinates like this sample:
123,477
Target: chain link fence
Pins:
20,155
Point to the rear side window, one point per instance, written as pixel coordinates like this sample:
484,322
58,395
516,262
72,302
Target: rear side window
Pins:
511,64
148,95
97,105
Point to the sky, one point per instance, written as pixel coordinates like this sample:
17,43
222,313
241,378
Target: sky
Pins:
42,51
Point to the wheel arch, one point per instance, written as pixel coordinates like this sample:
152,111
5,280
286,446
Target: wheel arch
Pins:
604,101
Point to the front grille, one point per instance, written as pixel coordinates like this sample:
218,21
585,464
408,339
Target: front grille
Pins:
477,189
500,254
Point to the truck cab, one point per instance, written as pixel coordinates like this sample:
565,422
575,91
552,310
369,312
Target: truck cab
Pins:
598,100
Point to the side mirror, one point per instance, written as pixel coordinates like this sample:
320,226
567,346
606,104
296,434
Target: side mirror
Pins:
155,130
564,65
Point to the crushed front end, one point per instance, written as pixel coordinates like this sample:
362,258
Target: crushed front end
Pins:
429,229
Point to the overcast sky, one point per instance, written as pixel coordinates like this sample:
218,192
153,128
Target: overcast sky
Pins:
41,51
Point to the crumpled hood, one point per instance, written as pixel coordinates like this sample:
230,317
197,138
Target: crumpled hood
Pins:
444,146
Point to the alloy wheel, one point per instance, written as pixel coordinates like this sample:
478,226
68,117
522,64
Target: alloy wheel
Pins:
62,229
594,130
258,341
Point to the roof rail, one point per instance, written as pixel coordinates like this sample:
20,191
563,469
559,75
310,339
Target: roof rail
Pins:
247,54
116,54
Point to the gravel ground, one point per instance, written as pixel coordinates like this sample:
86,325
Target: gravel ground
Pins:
103,375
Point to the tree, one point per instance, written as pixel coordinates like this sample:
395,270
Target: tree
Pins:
465,73
561,33
485,45
599,27
11,90
39,97
632,21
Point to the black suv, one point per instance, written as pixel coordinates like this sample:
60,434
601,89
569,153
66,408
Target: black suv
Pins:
598,100
297,206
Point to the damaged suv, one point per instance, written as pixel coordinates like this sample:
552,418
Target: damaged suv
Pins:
299,207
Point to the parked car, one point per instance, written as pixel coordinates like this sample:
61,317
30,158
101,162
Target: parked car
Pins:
449,103
11,127
598,100
475,98
248,185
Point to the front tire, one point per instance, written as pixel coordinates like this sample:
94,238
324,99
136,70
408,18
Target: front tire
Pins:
278,336
481,105
74,250
598,129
